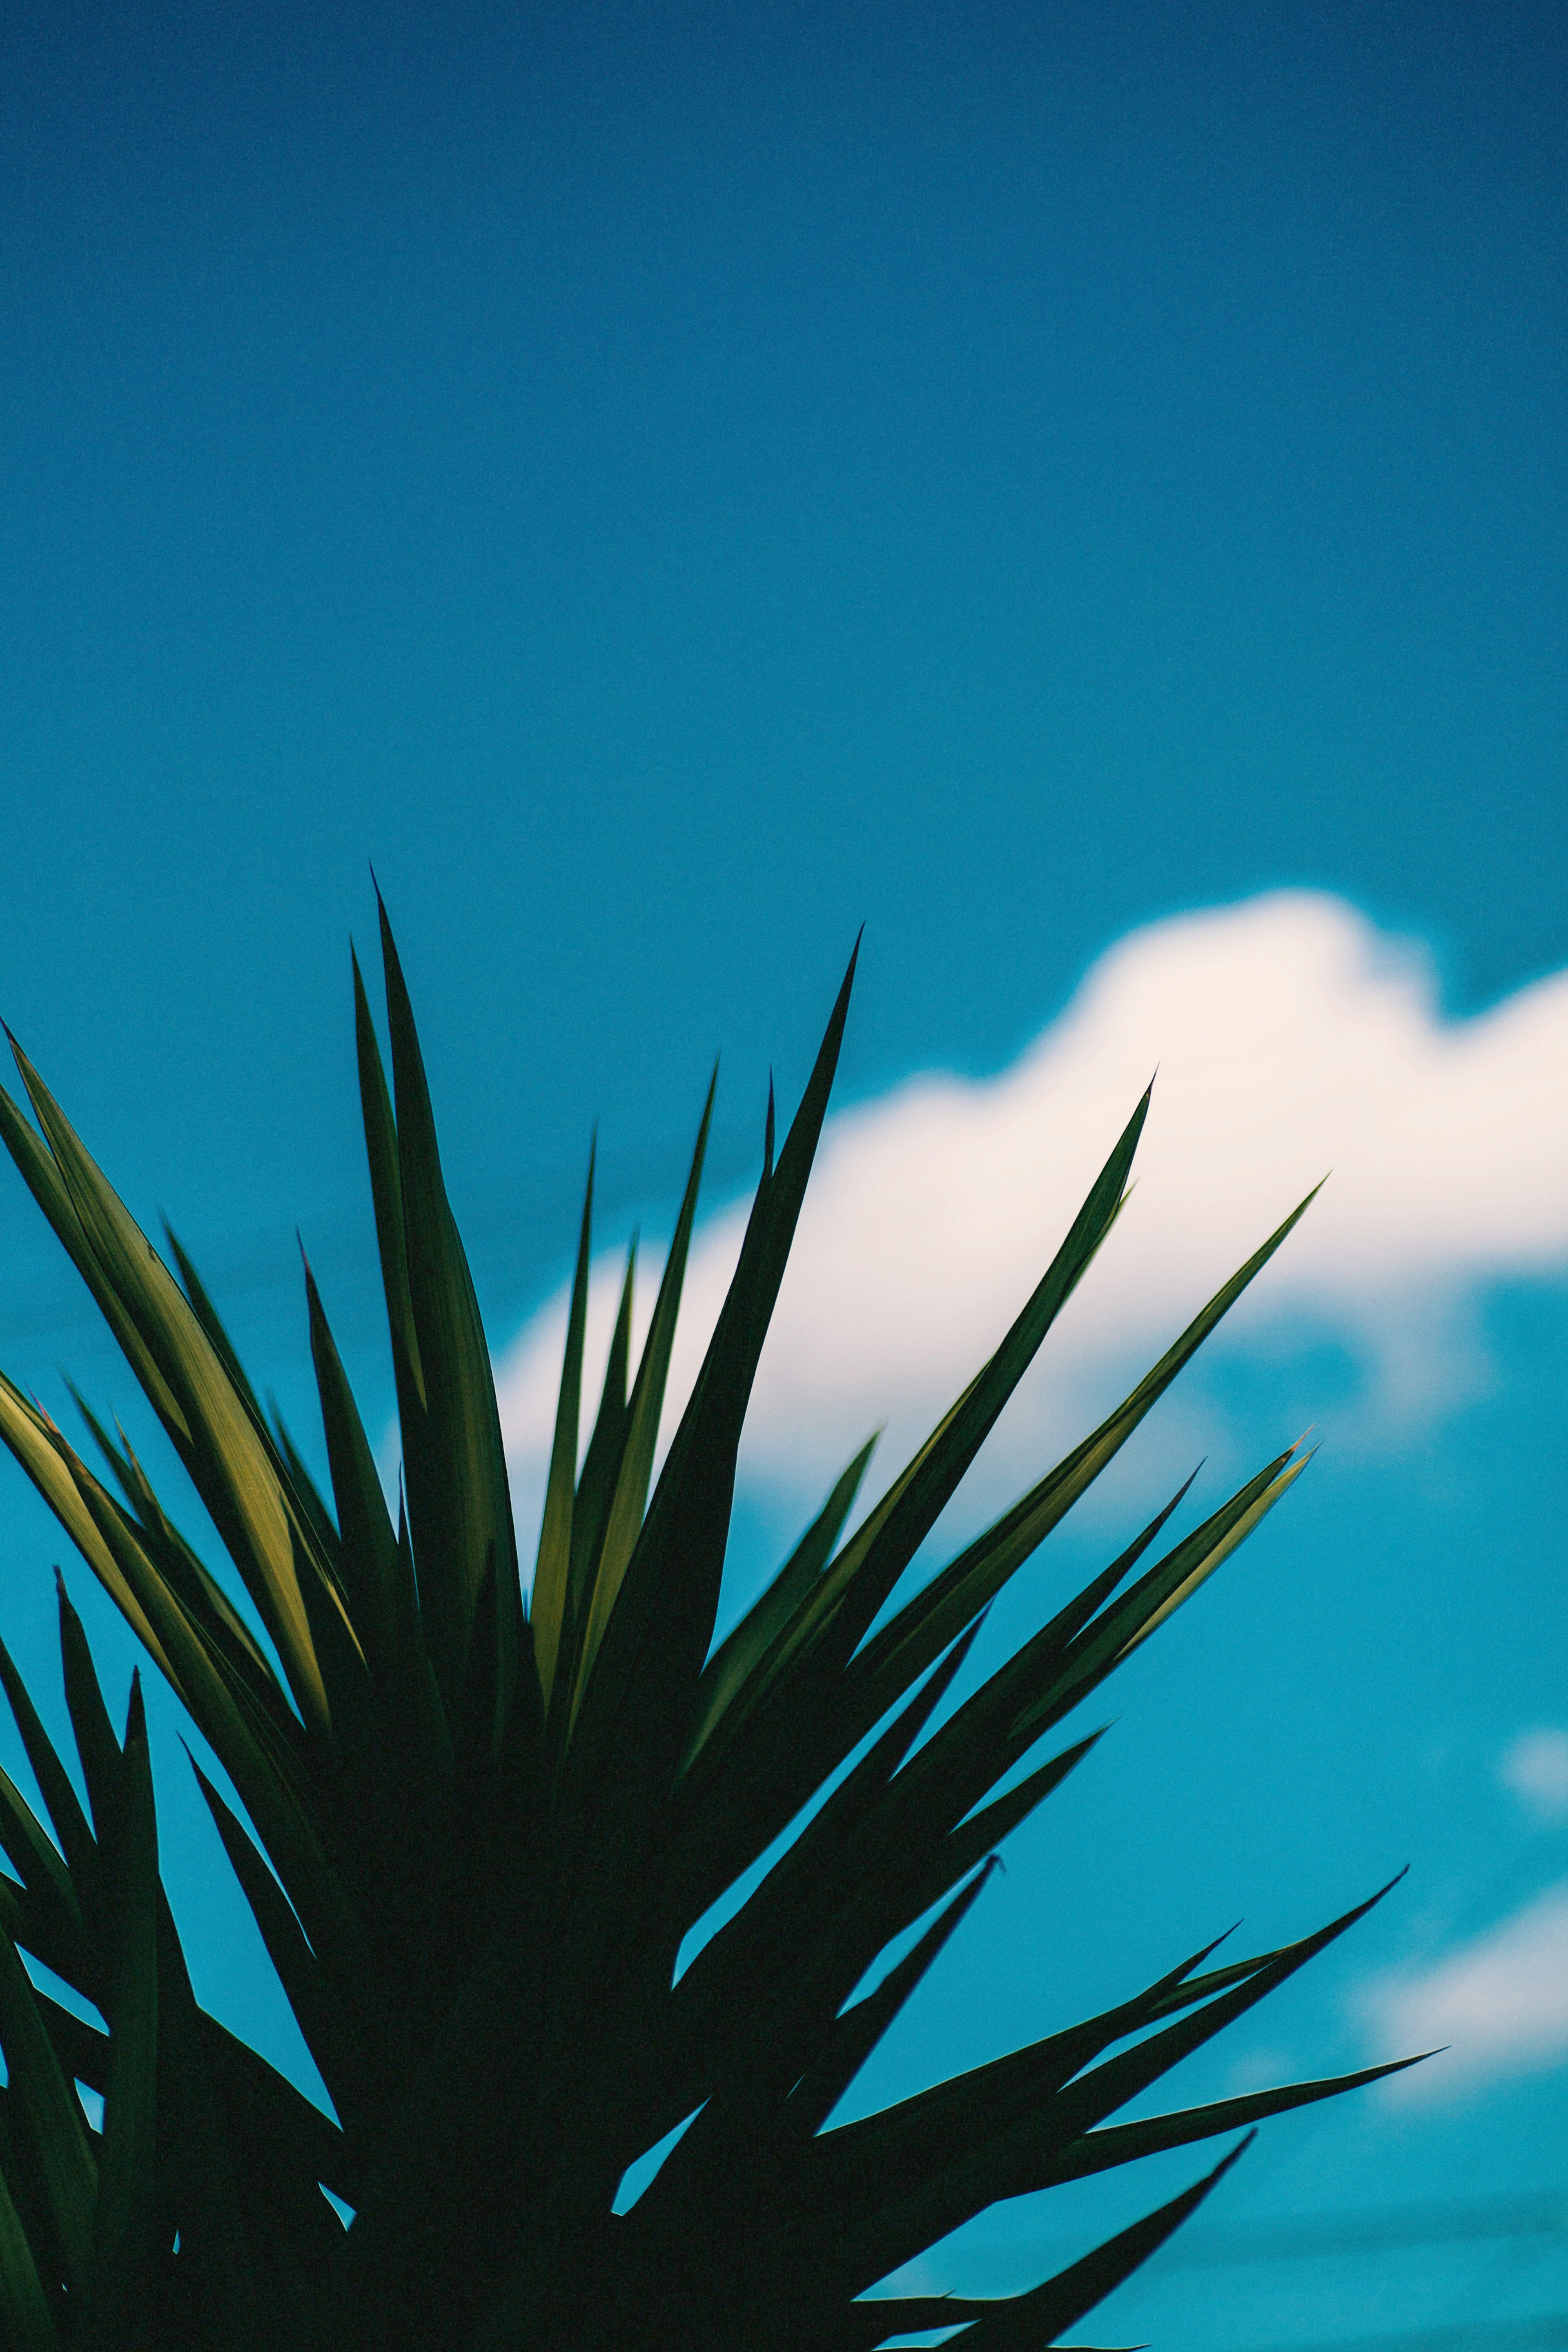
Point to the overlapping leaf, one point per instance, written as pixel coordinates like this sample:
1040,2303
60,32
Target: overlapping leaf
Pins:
482,1837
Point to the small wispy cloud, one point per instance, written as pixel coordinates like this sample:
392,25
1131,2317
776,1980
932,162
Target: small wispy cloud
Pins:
1292,1038
1254,2069
1497,2005
1535,1769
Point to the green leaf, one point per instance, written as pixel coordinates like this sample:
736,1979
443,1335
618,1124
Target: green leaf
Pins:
1048,1676
553,1569
213,1430
861,2028
256,1757
1112,1637
71,1824
1026,2320
43,1178
196,1589
661,1633
872,1563
984,1832
911,2139
411,1738
37,1447
923,1628
114,2299
485,1955
212,1323
386,1194
309,1990
687,1524
37,1862
221,1678
634,1719
313,1521
817,1919
25,2322
1098,2151
49,2116
623,1523
95,1741
804,1726
1112,2083
459,1504
591,1508
980,2147
740,1654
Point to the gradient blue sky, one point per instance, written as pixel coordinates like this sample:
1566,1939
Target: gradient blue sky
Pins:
670,485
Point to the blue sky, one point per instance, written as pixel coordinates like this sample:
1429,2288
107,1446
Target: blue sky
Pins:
672,484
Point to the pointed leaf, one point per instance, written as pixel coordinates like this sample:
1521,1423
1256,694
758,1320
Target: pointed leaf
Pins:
553,1570
624,1524
383,1604
743,1650
71,1824
309,1991
215,1434
27,1434
459,1499
25,2322
42,1176
1098,2151
386,1193
34,1856
123,2247
923,1626
860,2029
95,1741
1027,2321
49,2115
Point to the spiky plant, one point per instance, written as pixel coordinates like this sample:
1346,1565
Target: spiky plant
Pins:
475,1830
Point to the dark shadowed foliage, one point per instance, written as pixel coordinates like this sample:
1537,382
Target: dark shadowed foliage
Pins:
477,1826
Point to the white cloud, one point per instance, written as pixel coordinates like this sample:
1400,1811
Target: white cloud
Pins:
1291,1038
1499,2003
1536,1768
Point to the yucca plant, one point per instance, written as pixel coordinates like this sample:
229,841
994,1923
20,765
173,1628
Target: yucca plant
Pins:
477,1827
